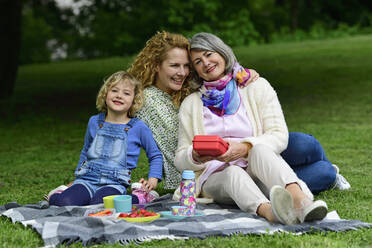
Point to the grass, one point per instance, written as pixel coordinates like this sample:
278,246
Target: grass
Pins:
325,90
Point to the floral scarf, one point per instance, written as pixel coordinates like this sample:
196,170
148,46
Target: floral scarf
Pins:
221,96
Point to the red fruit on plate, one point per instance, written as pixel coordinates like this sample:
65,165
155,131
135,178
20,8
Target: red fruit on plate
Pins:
137,213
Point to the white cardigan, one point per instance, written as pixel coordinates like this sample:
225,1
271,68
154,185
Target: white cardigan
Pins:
264,112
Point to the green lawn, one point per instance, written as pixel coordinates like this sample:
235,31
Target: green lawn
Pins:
325,88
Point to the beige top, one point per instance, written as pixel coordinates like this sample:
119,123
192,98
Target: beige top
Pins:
264,113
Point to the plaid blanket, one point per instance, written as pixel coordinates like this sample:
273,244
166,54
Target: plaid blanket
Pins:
66,225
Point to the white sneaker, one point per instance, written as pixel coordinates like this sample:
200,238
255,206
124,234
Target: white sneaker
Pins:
57,190
136,186
282,205
336,168
142,195
152,195
340,183
312,211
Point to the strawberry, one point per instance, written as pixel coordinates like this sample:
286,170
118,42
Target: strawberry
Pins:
123,215
137,213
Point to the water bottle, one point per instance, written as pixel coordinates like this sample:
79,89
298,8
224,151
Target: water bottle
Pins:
188,194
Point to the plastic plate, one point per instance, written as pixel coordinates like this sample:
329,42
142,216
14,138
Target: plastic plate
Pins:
140,219
169,215
139,205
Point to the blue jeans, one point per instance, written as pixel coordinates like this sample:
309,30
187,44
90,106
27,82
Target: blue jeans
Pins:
308,160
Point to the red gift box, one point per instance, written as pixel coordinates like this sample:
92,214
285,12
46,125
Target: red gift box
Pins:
209,145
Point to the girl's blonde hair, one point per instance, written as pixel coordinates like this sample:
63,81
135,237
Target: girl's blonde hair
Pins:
153,54
113,80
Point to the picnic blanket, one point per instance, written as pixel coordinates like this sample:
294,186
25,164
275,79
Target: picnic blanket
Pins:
66,225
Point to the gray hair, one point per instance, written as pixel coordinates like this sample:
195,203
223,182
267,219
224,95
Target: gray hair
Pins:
210,42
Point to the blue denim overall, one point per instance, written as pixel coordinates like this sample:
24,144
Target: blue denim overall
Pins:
106,158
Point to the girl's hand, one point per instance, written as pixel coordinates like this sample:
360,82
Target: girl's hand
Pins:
150,184
201,159
236,150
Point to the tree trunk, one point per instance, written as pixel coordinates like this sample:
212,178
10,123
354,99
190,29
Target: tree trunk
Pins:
10,41
294,14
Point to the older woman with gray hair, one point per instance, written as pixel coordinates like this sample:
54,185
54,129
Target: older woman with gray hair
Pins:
251,173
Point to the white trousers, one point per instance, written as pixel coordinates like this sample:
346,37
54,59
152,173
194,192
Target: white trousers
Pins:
249,187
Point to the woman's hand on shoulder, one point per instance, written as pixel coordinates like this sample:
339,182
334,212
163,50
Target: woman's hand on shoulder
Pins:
236,150
253,77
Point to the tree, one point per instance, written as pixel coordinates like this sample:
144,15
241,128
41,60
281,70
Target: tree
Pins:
45,28
34,43
10,39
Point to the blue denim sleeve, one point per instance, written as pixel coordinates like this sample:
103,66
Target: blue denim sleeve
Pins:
153,153
89,135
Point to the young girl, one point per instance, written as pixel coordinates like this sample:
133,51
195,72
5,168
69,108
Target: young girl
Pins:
113,141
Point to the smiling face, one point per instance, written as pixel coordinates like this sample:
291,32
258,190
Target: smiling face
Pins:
119,98
172,72
209,65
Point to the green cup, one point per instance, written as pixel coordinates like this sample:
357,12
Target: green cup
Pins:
108,201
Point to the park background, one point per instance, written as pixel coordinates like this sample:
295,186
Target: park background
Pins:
317,55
